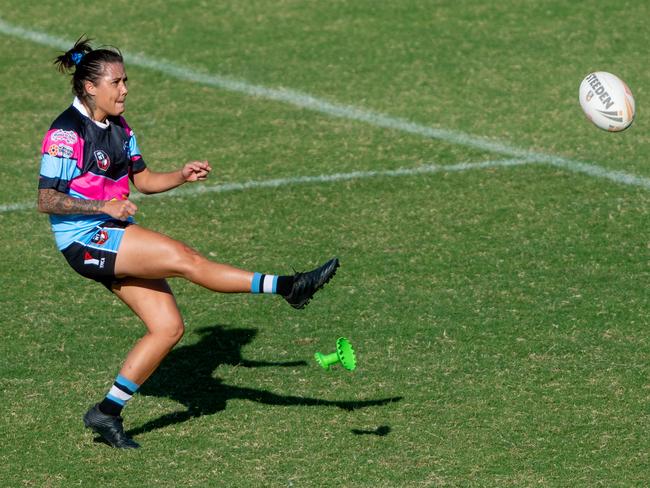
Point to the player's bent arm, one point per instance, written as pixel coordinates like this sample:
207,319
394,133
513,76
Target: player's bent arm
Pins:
51,201
148,182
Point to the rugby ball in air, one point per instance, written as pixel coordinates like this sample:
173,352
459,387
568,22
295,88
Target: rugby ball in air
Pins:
607,101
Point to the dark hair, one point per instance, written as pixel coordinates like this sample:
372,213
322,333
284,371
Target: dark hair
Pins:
87,63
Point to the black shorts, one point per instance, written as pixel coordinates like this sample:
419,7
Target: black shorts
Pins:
96,258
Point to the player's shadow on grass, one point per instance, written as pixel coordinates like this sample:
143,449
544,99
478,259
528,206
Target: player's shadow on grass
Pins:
186,376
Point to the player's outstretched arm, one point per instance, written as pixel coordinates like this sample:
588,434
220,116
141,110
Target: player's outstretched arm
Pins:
54,202
148,181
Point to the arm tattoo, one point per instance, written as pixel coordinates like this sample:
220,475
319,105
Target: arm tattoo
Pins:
54,202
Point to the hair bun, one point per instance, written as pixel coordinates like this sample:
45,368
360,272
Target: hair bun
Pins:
71,58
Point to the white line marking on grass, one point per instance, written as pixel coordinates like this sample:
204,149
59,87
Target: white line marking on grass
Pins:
306,101
335,177
17,207
303,180
594,170
291,97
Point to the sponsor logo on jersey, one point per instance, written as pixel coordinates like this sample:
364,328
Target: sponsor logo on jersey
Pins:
67,136
89,260
65,151
103,161
100,238
60,151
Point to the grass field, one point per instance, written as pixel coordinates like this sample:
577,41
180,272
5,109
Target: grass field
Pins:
499,313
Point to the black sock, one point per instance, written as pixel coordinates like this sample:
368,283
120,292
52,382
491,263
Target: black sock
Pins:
285,284
109,407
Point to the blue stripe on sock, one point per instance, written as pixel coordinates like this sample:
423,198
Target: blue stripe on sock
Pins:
275,284
115,399
255,287
128,383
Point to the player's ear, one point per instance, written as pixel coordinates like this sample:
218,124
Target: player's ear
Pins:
90,88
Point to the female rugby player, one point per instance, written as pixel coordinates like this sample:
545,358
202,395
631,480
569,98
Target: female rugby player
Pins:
89,156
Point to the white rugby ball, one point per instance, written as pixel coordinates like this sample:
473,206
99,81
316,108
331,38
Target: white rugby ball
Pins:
607,101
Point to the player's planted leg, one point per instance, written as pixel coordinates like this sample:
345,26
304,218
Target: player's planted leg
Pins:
109,427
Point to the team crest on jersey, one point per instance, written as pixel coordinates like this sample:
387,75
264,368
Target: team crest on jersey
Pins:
103,161
67,136
100,238
53,150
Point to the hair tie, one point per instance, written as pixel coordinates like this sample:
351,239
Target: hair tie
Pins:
77,57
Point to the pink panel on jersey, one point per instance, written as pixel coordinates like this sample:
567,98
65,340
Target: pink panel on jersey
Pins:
129,132
95,187
64,144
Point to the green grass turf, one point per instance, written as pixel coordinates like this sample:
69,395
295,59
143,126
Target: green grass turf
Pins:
500,316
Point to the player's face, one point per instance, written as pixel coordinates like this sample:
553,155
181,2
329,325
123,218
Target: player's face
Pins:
110,91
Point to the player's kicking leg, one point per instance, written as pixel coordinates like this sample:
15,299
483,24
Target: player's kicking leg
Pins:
148,254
